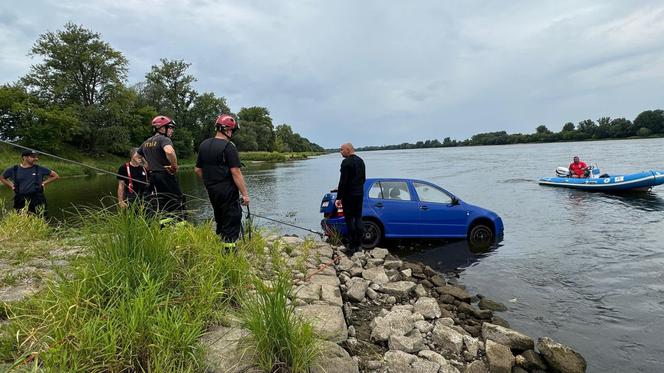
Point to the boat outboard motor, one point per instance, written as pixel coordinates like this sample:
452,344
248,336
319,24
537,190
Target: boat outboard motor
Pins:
562,172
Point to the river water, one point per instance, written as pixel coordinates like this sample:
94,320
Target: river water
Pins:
586,269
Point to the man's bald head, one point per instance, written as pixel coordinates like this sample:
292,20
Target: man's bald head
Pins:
347,149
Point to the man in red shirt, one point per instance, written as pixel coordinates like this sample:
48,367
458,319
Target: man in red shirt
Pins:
578,168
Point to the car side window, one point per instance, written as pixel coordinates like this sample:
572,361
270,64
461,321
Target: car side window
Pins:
395,190
375,191
427,193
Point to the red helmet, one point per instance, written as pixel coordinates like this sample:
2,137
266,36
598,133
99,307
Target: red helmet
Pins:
162,120
225,121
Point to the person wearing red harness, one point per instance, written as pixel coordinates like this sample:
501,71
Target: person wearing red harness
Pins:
132,180
578,168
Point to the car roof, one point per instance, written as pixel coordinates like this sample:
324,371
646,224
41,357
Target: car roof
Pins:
373,179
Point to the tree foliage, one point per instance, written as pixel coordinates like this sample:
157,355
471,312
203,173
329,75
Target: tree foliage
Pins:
77,97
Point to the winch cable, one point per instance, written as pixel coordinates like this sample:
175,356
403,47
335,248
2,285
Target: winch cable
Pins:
320,234
249,214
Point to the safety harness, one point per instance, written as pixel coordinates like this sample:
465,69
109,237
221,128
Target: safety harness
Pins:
130,183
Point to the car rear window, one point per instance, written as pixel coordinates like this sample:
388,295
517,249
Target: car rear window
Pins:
427,193
394,190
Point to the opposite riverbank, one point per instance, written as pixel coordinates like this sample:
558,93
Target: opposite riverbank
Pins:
108,162
121,293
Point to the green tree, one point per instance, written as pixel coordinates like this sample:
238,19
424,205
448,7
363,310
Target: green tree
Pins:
77,67
205,109
650,119
569,126
257,130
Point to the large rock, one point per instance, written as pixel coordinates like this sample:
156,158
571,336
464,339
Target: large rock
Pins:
379,253
357,289
427,307
499,357
331,294
393,264
476,366
475,312
445,366
328,321
308,292
507,337
398,322
530,360
454,291
333,359
376,274
398,289
488,304
401,362
447,339
560,357
411,342
225,351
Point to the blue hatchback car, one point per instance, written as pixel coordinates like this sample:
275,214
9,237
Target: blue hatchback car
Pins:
407,208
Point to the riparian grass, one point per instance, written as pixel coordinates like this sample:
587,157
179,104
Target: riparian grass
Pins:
283,341
139,301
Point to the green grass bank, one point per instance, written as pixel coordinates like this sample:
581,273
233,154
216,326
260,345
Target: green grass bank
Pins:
139,297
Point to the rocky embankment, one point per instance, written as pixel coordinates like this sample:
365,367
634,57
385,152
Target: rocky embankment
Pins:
406,317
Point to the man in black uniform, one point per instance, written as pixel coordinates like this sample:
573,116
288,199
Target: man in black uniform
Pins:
219,165
350,194
162,164
28,181
132,180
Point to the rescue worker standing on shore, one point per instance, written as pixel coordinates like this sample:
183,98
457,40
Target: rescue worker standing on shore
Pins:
218,163
158,152
28,182
350,195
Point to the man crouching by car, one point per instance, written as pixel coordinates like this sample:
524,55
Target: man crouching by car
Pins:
350,194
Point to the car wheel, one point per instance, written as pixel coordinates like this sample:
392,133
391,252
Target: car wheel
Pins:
372,234
480,235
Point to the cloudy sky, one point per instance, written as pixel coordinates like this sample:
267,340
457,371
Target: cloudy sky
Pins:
382,72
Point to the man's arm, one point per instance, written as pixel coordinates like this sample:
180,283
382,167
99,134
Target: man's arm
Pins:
121,193
8,183
343,184
172,158
239,181
53,176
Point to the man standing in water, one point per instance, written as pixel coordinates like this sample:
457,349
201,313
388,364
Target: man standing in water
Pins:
218,163
350,194
28,181
162,162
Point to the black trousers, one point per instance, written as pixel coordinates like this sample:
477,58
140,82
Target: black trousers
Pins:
353,215
225,200
34,200
166,195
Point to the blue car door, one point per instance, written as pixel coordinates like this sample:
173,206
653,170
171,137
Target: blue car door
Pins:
440,216
393,204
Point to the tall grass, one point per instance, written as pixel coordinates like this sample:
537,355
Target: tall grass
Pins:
283,341
138,302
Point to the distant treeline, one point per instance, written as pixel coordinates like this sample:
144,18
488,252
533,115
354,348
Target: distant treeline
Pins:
77,98
648,123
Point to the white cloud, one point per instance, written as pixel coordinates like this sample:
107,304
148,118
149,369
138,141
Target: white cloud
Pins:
378,72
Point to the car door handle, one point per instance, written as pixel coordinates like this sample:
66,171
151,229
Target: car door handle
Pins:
378,204
424,207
